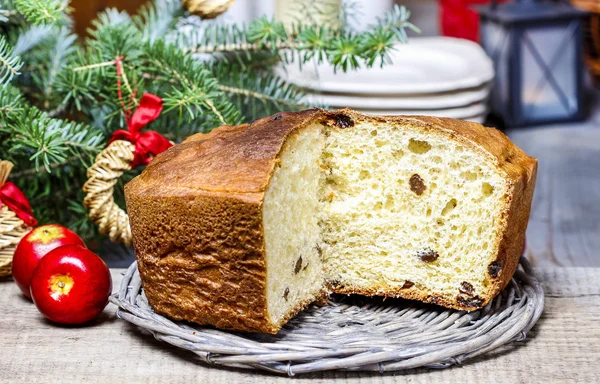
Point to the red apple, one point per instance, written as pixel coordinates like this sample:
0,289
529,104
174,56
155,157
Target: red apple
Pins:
71,285
35,245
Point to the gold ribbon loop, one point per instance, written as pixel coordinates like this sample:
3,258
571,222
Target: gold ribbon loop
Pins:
110,164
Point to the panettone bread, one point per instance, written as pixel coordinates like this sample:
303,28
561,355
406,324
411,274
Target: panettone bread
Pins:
243,227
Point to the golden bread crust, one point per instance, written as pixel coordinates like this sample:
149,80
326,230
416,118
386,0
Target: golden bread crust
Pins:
196,216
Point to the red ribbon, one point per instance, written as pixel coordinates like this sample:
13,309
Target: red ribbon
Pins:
147,144
14,199
458,18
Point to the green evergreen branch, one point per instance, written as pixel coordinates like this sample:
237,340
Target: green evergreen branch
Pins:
345,52
263,96
114,37
215,39
343,49
111,17
94,66
9,63
243,47
45,140
60,53
31,172
267,33
11,103
155,20
78,87
257,93
42,11
188,82
31,37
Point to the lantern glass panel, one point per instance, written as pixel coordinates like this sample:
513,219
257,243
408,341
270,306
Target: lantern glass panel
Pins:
548,60
495,39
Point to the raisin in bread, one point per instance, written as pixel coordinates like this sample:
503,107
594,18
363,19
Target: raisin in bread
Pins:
243,227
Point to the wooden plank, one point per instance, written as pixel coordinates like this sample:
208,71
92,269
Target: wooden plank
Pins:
563,347
564,228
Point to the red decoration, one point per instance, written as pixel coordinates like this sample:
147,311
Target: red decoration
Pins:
458,19
14,199
147,144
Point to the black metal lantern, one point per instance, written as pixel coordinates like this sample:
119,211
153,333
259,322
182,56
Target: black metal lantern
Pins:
536,47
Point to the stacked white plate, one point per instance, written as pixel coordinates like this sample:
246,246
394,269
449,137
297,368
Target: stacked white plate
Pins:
435,76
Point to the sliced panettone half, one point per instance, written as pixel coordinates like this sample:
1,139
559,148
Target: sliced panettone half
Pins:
243,227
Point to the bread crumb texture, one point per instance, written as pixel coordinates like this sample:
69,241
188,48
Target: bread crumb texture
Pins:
409,206
291,225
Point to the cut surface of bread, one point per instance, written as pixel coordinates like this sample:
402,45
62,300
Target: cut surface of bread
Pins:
291,226
410,211
262,220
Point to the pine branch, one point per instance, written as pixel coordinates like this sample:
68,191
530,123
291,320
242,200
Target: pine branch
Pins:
243,47
155,20
281,101
60,53
32,172
46,141
187,88
111,17
9,63
42,11
192,90
345,52
114,36
78,221
11,103
257,93
79,88
343,49
30,38
57,197
90,82
219,39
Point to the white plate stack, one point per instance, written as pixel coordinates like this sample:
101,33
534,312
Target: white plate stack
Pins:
435,76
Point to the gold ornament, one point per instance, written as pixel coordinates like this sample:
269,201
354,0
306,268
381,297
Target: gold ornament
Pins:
207,9
12,228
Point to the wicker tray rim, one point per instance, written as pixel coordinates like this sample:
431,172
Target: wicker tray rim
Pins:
377,336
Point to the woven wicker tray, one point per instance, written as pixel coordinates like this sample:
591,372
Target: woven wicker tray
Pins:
352,332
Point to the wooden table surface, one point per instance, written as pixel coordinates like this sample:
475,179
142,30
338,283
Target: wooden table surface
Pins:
563,243
563,347
564,227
